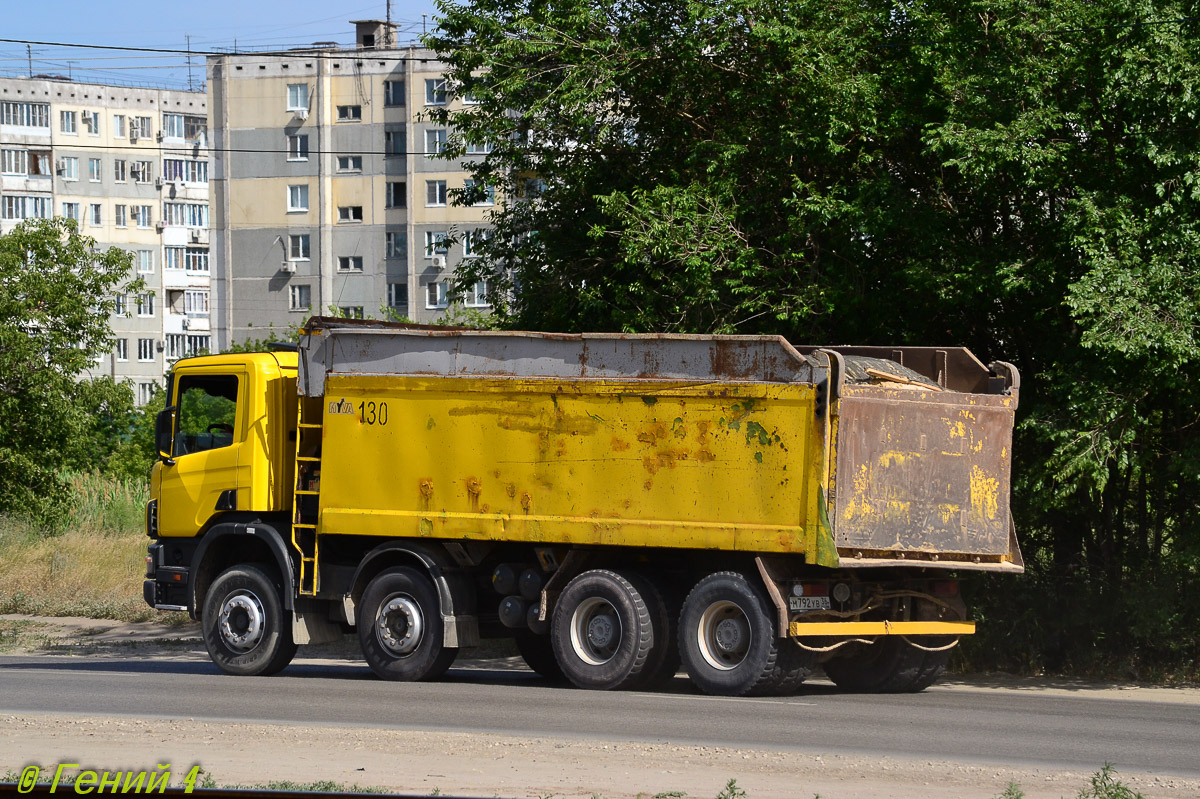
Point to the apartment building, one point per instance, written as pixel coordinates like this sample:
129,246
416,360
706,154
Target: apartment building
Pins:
130,165
325,192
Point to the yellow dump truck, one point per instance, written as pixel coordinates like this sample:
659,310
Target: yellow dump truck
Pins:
620,505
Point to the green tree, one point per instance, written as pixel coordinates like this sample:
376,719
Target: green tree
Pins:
1020,179
57,292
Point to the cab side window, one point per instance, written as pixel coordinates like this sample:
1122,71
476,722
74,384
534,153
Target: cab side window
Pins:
207,410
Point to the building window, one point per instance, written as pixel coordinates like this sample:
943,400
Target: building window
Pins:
70,211
397,245
119,126
186,346
28,115
435,91
351,311
299,297
140,171
14,162
297,198
194,128
477,297
297,97
435,243
141,215
145,261
297,148
435,142
140,128
122,350
298,247
185,214
397,194
94,214
489,193
195,302
70,168
196,260
350,213
67,122
145,304
91,121
17,206
172,258
120,305
393,93
394,142
477,148
437,294
119,215
145,349
349,163
187,170
471,241
397,296
146,392
435,192
120,173
350,263
349,113
173,126
94,168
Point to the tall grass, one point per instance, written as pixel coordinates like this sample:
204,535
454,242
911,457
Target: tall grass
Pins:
93,569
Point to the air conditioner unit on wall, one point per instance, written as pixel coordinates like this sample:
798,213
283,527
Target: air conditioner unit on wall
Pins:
158,183
158,136
300,114
439,262
186,323
288,266
159,226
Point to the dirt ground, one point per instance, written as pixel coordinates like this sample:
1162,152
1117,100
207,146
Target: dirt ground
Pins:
485,765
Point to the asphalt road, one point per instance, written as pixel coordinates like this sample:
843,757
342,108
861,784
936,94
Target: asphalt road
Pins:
1012,727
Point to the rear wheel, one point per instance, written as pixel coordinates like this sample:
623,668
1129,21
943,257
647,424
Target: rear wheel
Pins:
246,629
601,632
888,666
727,640
538,655
400,627
663,661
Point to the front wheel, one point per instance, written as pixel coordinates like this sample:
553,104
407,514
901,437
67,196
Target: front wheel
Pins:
246,629
400,627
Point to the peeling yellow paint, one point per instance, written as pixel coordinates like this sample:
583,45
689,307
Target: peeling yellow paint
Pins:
895,458
984,493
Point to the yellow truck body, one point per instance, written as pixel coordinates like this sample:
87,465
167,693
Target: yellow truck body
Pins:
768,508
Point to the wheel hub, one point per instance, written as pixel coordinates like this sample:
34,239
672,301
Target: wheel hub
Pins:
730,634
600,631
595,631
399,626
241,621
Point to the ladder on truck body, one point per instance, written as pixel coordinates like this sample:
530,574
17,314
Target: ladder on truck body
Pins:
306,492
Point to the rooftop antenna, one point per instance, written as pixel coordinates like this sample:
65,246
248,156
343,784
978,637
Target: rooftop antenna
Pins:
188,37
388,36
29,55
423,16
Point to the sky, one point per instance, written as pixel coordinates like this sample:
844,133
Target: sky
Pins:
213,25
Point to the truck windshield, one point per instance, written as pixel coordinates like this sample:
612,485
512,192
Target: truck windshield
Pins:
207,413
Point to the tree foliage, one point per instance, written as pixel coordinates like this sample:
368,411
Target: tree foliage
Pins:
1022,179
57,292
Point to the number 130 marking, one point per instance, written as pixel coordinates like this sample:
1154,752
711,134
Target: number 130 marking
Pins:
372,413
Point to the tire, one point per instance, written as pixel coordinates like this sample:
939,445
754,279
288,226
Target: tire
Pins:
246,629
793,666
400,627
601,631
538,655
888,666
727,640
663,661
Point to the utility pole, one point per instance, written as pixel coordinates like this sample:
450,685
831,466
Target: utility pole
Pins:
188,38
29,55
391,39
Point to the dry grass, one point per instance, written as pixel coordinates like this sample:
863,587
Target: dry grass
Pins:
94,569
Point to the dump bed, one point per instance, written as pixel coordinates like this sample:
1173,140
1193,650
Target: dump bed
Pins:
703,442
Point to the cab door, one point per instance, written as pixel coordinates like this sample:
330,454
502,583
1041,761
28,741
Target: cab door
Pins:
207,440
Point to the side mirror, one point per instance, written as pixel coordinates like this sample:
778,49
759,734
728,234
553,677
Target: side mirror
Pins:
164,425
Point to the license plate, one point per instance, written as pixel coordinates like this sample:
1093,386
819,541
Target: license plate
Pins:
809,603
